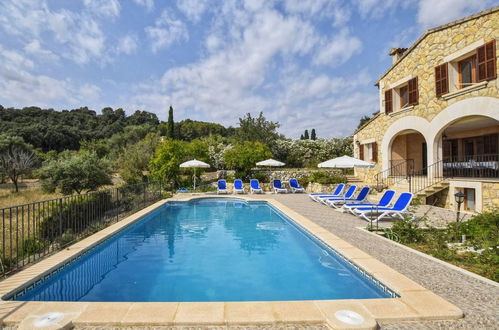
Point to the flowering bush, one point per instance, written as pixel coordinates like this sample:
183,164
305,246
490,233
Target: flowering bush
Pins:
308,153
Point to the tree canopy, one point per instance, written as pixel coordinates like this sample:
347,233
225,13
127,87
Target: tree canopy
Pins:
48,129
78,172
257,129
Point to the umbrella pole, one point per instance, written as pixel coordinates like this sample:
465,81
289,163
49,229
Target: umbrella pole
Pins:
194,178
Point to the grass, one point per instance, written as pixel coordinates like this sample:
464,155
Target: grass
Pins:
24,196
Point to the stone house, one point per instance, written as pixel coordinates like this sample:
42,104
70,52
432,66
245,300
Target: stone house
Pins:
437,131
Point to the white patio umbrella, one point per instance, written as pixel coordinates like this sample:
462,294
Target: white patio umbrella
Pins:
195,164
345,162
270,162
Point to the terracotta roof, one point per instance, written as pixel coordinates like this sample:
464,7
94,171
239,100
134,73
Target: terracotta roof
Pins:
438,28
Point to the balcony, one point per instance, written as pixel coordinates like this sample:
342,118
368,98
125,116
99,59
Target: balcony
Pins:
474,166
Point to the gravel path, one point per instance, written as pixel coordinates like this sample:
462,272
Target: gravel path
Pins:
478,300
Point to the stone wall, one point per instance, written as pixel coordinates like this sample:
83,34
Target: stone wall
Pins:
490,195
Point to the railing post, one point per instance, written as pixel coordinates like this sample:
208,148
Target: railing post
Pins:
60,217
117,204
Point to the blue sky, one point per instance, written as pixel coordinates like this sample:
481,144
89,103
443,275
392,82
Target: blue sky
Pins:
305,63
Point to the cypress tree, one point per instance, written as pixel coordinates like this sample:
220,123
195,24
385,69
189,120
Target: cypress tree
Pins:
313,136
170,129
306,136
301,137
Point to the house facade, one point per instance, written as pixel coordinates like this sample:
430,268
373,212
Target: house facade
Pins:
437,131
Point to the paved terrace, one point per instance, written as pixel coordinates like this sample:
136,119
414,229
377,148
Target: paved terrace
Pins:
478,300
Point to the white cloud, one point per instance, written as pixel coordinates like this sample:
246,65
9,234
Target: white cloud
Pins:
338,50
148,4
166,31
192,9
434,13
34,48
105,8
78,32
379,8
127,45
242,76
22,87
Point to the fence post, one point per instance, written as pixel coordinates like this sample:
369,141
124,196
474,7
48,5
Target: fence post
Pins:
117,204
60,216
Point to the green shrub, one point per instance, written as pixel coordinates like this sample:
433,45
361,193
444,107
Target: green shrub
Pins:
67,238
260,176
32,245
323,177
408,231
482,231
75,215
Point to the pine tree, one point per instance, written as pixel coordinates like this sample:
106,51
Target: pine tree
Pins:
313,136
170,130
301,137
306,136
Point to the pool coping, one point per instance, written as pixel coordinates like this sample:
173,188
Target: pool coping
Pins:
415,301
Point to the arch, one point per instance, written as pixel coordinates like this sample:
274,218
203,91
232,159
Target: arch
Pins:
475,106
412,123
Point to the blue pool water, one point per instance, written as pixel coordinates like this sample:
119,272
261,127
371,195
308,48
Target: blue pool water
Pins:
208,250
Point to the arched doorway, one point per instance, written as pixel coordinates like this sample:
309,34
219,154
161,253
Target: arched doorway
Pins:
408,153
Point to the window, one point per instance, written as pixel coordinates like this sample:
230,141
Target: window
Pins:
404,96
467,71
469,199
388,101
441,80
369,152
486,58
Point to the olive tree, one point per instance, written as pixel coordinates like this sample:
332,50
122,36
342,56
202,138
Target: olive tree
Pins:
16,158
77,172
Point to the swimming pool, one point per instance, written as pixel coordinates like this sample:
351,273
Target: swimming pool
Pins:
214,249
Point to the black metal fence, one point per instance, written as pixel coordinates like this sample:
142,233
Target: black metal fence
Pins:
32,231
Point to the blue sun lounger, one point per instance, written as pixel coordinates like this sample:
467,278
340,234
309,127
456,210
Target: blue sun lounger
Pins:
222,187
383,202
277,187
348,194
295,186
255,186
338,202
399,209
238,186
337,192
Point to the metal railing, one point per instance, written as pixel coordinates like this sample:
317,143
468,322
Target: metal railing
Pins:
29,232
426,177
475,166
399,170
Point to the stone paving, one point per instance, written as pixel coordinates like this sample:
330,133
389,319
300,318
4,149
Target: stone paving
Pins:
477,299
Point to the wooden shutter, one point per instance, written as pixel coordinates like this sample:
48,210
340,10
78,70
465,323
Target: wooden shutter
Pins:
375,152
413,91
388,101
441,80
486,61
361,151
